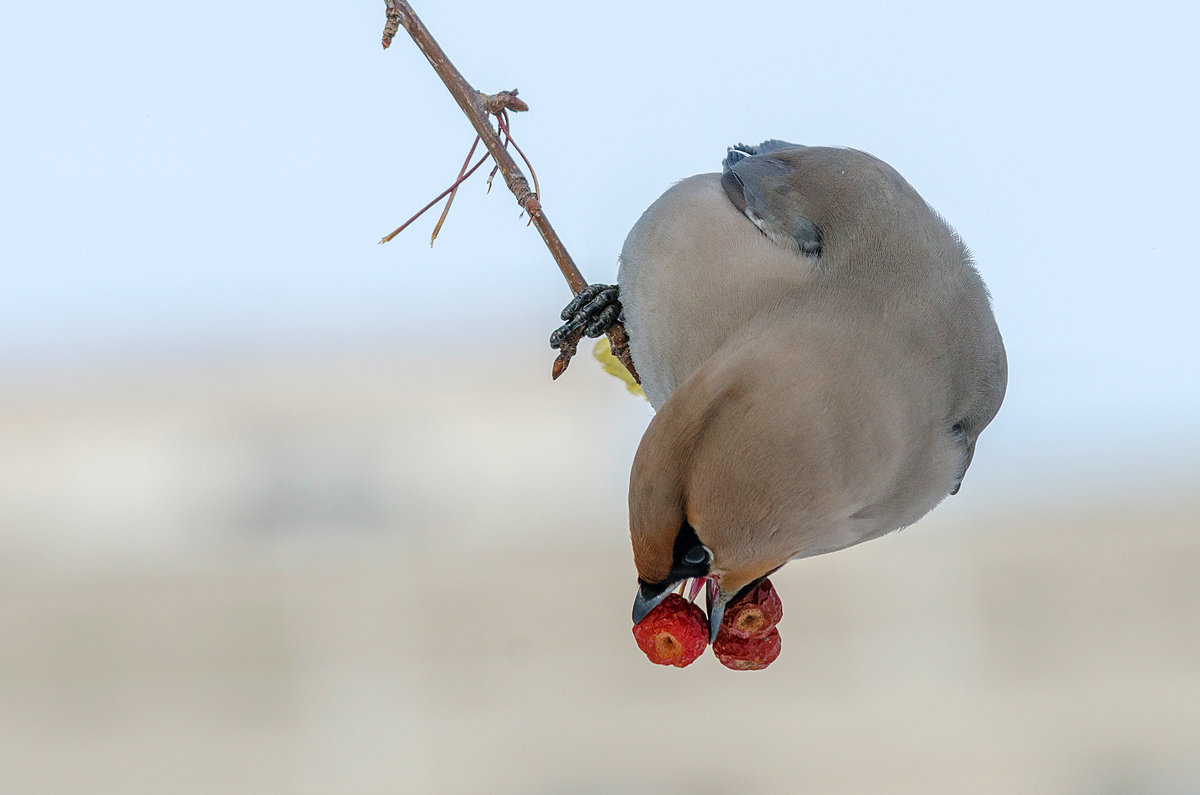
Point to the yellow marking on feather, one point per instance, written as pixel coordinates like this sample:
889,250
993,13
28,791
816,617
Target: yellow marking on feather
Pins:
612,365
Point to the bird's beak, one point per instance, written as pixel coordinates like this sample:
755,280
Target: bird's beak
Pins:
648,597
716,600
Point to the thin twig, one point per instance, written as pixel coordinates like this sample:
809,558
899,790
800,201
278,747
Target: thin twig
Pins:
502,120
435,200
477,106
461,176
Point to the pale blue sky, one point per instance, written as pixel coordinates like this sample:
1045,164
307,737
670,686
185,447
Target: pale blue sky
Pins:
182,176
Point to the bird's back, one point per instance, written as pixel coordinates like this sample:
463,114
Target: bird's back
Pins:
692,272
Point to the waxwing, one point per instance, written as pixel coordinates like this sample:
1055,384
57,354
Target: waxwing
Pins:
820,352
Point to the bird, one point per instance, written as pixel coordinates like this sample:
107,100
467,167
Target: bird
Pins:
821,354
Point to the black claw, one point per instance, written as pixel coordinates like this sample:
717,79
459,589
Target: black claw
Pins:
594,310
582,297
595,307
566,330
603,321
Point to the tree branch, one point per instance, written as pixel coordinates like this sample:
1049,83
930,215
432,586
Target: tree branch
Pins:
478,106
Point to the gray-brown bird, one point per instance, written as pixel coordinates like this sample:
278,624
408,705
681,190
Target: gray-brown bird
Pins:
821,354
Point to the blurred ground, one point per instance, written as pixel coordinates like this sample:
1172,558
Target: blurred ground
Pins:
330,574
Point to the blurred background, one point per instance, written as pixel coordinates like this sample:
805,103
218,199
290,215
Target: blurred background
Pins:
283,510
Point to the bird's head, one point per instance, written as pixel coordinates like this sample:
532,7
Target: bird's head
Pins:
722,568
708,507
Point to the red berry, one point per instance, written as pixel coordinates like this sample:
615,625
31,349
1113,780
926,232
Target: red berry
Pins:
747,654
755,614
675,632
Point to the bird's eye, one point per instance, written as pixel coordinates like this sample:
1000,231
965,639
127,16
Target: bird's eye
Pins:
696,555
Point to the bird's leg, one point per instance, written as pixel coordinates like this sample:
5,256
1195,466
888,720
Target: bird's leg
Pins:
593,311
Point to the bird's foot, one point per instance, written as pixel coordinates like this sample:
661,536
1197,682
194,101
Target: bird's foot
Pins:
592,311
595,310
